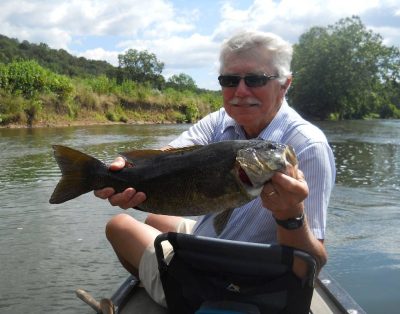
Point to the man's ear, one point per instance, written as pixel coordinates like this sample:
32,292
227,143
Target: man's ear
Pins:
285,86
287,83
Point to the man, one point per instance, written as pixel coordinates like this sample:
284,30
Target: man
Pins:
255,75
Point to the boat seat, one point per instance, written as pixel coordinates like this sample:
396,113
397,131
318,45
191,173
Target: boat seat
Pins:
208,275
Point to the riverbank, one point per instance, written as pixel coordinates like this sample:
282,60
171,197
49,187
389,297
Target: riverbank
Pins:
99,100
45,124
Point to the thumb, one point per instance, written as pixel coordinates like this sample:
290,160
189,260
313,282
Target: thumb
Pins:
117,164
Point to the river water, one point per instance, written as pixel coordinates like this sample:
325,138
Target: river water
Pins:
48,251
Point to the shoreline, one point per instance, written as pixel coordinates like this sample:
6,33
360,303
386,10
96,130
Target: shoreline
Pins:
43,124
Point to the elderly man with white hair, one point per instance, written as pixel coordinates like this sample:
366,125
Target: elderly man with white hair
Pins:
291,210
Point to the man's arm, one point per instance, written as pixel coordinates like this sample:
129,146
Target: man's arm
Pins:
287,201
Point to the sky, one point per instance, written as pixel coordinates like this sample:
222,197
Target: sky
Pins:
185,35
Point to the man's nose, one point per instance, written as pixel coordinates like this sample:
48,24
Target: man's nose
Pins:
242,89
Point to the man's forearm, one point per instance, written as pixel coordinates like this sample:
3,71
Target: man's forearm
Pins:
303,239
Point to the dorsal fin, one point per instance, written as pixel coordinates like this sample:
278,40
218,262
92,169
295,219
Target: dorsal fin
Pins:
136,155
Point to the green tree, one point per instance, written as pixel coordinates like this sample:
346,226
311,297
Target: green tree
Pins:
59,61
141,67
181,82
342,70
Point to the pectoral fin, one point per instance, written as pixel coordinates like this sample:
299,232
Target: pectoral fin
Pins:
221,220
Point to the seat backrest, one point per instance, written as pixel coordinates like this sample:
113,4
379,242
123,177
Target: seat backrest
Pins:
208,269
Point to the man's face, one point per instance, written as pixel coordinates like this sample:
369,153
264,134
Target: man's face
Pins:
252,107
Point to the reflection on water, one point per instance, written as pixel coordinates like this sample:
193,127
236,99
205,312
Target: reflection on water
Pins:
367,164
48,251
364,216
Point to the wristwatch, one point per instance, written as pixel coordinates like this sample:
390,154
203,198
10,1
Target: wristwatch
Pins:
291,223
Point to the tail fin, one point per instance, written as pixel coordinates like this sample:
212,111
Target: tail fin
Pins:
77,174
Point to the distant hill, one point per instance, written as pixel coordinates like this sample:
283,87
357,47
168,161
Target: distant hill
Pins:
59,61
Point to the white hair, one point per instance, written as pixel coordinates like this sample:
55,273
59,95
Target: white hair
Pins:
279,51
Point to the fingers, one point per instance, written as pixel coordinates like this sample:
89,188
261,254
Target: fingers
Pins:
116,165
127,199
285,184
104,193
285,193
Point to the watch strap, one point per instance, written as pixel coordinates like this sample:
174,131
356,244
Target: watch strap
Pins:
291,223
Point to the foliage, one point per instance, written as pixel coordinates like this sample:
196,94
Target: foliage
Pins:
58,61
181,82
11,108
344,71
191,111
29,78
31,93
101,84
141,67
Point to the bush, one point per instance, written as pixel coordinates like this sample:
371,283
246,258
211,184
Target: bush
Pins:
26,77
11,104
191,111
389,111
32,110
6,119
101,84
29,79
3,76
111,116
60,85
87,99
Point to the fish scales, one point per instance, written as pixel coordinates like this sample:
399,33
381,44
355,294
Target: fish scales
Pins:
195,182
187,181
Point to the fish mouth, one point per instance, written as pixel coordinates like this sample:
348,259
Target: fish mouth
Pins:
255,167
246,183
243,177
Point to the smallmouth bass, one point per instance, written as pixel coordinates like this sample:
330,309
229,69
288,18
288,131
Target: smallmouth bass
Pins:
187,181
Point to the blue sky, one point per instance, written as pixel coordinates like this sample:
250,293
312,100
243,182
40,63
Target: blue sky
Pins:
185,35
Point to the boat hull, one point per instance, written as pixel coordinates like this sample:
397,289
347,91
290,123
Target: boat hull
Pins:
328,298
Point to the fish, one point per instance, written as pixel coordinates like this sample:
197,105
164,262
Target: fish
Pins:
188,181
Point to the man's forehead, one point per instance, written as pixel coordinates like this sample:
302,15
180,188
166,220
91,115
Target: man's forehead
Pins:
249,62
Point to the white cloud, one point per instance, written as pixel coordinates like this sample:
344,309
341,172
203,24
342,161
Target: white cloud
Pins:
291,18
101,54
177,32
181,52
391,35
37,20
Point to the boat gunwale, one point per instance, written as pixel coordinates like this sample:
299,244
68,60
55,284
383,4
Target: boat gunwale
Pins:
338,295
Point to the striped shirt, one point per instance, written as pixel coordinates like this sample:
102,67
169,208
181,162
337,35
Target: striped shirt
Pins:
252,222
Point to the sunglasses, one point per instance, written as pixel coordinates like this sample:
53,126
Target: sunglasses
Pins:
250,80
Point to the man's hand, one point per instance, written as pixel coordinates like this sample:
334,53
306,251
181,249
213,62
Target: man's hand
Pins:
285,193
128,198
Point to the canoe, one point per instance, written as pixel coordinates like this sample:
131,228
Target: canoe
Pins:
210,262
220,269
328,298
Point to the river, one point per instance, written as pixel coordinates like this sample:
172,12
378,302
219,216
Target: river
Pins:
48,251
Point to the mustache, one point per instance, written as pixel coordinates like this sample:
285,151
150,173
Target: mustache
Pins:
248,101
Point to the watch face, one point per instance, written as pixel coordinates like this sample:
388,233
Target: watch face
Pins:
294,224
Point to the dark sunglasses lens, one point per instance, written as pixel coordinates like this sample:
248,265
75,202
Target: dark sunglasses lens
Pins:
255,80
229,80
